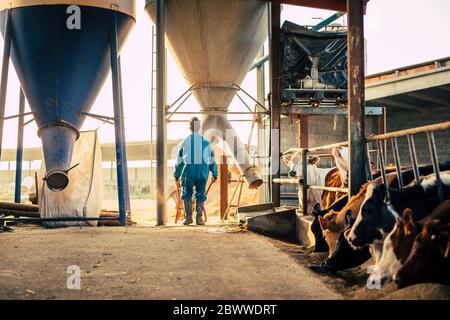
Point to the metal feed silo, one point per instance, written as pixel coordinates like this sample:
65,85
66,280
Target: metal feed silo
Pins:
214,43
62,51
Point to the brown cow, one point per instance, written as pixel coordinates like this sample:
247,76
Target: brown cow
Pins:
332,179
397,245
334,221
429,259
407,230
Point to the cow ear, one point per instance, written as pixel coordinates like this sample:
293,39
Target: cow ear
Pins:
347,233
409,222
323,223
287,157
313,160
316,210
348,218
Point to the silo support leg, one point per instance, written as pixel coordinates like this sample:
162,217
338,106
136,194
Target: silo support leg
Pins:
19,154
121,183
161,130
4,76
124,145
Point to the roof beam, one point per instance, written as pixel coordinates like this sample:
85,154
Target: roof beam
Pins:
336,5
398,104
408,83
426,97
445,88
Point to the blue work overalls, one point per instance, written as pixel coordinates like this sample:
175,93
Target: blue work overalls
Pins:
194,162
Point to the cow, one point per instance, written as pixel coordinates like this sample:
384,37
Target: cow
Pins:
397,245
392,179
334,222
429,260
321,244
340,156
316,176
345,252
377,217
344,257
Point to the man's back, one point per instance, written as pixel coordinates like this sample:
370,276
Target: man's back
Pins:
196,149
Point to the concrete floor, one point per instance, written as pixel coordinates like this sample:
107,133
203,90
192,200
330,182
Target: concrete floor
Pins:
151,263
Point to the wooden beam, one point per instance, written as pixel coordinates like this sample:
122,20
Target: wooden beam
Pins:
356,92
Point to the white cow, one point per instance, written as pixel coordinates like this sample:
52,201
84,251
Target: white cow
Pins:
315,176
340,156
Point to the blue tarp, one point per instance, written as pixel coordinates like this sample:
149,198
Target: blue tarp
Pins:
297,43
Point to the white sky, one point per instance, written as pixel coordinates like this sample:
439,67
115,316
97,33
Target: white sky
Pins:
398,33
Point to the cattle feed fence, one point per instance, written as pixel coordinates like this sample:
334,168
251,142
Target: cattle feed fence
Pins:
380,141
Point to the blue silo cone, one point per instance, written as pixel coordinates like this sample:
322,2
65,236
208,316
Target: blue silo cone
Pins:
57,142
62,69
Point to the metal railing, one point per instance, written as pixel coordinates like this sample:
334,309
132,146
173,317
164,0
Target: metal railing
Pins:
379,141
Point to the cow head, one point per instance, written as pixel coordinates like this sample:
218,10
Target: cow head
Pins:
294,161
429,259
396,247
404,234
375,219
340,156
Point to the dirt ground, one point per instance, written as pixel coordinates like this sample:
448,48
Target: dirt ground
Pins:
176,262
152,263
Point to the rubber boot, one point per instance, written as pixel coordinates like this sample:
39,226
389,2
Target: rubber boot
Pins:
199,209
187,212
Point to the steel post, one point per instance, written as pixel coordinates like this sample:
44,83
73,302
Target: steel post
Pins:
304,185
161,132
413,156
435,161
398,167
275,104
118,123
368,166
356,99
262,148
380,146
5,70
19,154
124,144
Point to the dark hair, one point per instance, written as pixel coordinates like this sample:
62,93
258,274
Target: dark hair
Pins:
194,124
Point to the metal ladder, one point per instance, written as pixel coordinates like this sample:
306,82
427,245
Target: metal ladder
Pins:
153,115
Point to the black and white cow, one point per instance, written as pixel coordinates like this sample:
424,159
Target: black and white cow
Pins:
377,216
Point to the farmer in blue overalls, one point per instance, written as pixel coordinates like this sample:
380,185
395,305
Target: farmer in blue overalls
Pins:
194,162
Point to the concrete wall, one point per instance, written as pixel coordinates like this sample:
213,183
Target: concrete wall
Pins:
399,119
322,130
